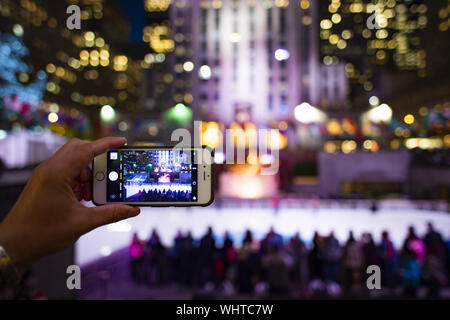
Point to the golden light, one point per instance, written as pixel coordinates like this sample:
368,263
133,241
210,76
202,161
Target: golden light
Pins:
382,34
104,63
120,63
409,119
425,143
447,140
244,182
158,37
252,158
348,146
53,117
326,24
84,55
395,144
282,3
120,60
367,144
334,127
211,135
249,126
217,4
53,107
330,147
348,126
336,18
346,34
51,68
157,5
89,36
94,55
104,54
334,39
276,140
371,145
342,44
304,4
283,125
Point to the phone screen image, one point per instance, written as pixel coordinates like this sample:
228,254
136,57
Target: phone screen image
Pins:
151,176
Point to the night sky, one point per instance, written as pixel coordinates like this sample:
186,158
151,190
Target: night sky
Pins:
136,15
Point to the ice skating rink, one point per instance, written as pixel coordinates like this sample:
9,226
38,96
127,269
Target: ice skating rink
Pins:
287,221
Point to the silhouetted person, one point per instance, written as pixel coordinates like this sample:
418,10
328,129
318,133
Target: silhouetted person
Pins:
415,245
332,255
277,265
248,266
136,251
410,273
207,251
187,260
433,239
370,250
248,238
434,273
316,257
156,257
300,270
388,260
176,256
353,261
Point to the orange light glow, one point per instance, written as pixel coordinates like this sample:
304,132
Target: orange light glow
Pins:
245,182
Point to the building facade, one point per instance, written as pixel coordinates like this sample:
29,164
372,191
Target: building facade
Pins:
85,68
246,60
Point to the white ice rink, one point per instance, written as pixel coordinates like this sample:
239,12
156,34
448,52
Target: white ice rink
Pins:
287,221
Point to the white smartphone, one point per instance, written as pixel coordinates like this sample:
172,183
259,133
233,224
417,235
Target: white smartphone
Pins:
154,176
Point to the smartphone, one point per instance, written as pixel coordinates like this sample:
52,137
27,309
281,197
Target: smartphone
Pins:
154,176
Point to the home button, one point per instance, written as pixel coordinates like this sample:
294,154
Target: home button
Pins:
100,176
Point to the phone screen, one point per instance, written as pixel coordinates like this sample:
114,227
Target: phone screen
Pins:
151,176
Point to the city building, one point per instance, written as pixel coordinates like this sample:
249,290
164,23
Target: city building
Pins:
246,60
373,38
86,69
158,78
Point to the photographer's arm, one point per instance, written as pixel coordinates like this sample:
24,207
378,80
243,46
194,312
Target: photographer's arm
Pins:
48,215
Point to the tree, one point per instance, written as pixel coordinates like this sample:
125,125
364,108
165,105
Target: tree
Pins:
19,98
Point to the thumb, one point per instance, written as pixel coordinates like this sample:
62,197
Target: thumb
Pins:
111,213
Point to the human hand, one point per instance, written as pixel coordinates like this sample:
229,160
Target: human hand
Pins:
48,215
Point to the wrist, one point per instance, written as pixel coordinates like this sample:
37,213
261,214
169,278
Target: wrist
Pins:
7,243
9,276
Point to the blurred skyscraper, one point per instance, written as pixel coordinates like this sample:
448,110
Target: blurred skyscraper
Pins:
86,68
250,60
376,39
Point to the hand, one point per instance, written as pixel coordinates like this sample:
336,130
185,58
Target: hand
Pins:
48,215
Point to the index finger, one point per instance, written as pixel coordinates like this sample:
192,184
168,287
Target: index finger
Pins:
102,145
81,153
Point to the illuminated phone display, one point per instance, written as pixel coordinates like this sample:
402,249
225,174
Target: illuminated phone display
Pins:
151,176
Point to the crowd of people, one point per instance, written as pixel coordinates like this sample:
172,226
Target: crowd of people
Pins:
276,267
160,195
